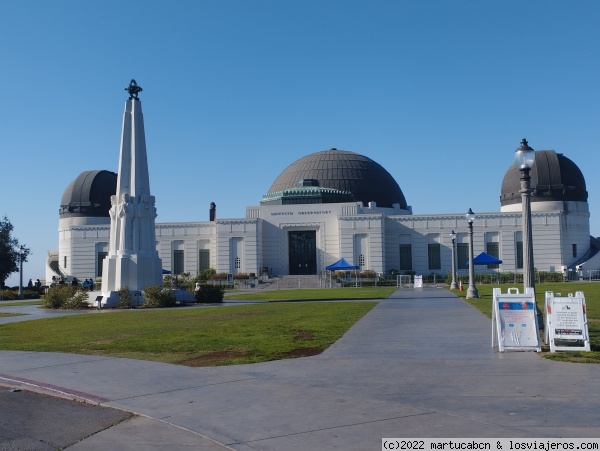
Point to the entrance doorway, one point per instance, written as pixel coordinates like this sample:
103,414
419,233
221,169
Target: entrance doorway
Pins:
302,251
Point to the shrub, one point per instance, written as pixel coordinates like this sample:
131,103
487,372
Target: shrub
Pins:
219,276
157,297
210,294
10,295
204,274
32,293
168,281
125,298
65,297
241,276
79,301
367,273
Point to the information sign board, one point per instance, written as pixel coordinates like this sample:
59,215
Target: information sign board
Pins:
566,322
514,318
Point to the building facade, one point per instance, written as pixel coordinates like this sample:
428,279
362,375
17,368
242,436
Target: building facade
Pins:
337,204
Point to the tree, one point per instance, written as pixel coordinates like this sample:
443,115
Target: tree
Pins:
9,251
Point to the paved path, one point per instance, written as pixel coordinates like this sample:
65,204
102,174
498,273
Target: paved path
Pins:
418,365
34,311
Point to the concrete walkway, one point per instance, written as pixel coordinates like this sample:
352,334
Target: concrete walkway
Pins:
418,365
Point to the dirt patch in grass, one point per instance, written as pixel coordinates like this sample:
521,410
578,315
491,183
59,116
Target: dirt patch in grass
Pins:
305,352
214,358
225,357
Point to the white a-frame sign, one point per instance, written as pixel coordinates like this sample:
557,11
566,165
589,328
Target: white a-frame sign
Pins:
566,322
514,318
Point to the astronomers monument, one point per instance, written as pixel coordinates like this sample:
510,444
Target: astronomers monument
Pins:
132,260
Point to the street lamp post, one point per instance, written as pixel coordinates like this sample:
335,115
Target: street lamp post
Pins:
471,291
21,252
524,157
453,285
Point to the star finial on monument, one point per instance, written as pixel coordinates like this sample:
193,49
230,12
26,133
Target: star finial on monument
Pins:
133,89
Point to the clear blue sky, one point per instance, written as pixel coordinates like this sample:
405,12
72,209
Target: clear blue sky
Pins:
440,93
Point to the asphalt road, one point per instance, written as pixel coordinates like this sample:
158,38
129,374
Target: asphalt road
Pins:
37,422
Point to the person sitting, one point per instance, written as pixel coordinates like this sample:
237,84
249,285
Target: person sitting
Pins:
85,284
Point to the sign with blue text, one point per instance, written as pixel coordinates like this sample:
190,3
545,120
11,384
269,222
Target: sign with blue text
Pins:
514,318
566,322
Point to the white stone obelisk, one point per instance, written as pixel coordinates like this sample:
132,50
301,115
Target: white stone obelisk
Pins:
132,260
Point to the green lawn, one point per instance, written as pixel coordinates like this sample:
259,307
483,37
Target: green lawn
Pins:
315,294
591,291
245,333
193,336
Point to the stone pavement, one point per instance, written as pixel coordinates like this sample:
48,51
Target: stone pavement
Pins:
418,365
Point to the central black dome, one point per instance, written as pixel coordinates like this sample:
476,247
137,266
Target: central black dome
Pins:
343,171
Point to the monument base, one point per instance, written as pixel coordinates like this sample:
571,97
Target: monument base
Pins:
110,299
133,271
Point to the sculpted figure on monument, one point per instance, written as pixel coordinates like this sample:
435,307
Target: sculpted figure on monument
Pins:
146,215
133,89
113,225
141,220
126,215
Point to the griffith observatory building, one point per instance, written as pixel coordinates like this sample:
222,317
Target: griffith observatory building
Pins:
336,204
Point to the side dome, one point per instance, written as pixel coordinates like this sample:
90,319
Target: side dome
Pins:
89,195
342,176
553,178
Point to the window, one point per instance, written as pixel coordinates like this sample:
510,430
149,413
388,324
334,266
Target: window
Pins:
238,262
433,255
360,249
65,262
462,254
177,262
203,259
493,249
519,254
405,257
101,256
573,245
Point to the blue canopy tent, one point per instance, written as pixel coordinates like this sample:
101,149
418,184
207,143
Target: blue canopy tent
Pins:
341,265
485,259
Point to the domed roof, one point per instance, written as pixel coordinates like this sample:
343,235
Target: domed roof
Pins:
89,194
345,172
553,178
